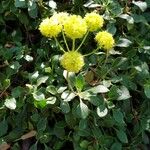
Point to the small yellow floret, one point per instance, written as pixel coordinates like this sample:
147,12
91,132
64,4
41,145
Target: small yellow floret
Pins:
75,27
72,61
60,17
50,28
105,40
94,21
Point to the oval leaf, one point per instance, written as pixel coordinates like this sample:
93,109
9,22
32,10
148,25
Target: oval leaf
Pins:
147,90
10,103
64,107
122,136
102,111
82,110
99,89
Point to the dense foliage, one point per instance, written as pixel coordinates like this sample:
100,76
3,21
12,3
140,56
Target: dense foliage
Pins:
104,106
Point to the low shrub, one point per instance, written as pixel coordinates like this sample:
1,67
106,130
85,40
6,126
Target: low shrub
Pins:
74,75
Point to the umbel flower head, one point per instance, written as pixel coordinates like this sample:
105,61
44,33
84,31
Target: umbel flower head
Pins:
105,40
75,27
50,27
72,61
94,21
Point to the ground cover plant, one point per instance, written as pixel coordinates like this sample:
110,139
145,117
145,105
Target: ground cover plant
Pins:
74,75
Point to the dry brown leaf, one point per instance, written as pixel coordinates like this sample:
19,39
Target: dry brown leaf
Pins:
28,135
4,146
89,76
9,45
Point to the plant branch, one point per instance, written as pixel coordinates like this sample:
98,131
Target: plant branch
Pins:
65,41
61,48
107,54
73,44
92,52
83,40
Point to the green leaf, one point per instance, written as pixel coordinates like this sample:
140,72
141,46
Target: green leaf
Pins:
123,42
118,116
96,100
59,130
119,61
79,82
33,147
91,4
52,4
10,103
51,100
27,57
24,20
98,89
38,96
102,111
20,3
70,119
92,98
6,83
3,127
122,136
111,28
15,65
68,96
113,94
127,82
147,90
115,8
48,69
82,110
47,147
58,146
83,124
143,71
145,138
123,93
84,144
141,5
42,80
116,146
35,117
44,137
51,89
127,17
40,104
32,9
85,95
139,19
96,132
64,107
14,134
34,75
85,133
41,125
61,89
16,92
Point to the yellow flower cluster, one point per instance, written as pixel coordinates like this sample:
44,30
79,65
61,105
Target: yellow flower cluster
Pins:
72,61
50,27
75,27
105,40
94,21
